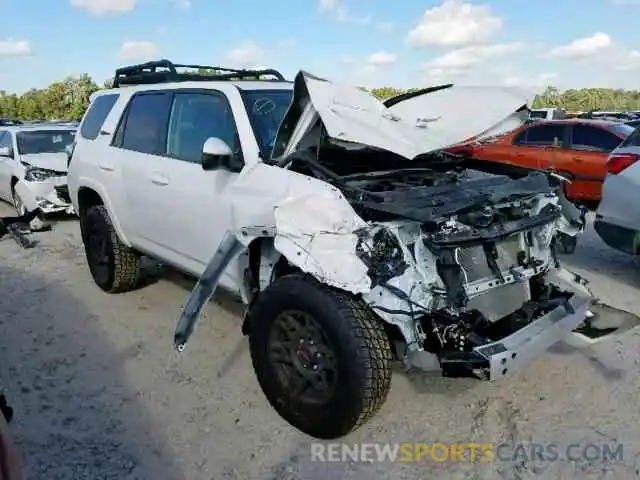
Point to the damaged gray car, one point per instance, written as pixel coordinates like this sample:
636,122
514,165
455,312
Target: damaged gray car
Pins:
357,241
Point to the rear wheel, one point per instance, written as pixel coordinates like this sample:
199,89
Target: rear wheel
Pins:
114,266
321,356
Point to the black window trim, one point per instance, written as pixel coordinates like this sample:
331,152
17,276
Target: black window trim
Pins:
570,145
563,137
99,131
118,136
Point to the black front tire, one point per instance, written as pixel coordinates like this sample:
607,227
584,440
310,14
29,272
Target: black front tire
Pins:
114,266
356,342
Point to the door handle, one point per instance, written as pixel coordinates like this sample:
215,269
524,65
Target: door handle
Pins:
106,168
160,180
578,159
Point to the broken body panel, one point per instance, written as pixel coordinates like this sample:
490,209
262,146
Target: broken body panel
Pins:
458,254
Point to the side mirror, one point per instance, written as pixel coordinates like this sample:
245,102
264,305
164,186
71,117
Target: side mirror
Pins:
216,154
6,152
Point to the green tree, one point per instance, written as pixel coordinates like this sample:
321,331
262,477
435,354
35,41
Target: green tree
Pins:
68,99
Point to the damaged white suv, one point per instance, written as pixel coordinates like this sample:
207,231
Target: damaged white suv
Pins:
350,235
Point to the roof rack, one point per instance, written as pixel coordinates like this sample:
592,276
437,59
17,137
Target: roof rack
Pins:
165,71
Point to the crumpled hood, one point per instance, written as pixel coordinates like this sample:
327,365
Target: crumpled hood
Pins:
51,161
408,125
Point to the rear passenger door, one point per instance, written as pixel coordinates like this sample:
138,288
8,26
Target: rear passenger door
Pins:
138,147
539,146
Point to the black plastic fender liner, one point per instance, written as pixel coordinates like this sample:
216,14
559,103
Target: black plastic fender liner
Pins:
230,247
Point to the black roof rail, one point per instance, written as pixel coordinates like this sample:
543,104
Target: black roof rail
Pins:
165,71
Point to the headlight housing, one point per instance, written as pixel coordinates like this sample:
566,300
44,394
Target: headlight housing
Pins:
35,174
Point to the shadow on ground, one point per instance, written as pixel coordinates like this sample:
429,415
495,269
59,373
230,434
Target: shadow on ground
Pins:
76,416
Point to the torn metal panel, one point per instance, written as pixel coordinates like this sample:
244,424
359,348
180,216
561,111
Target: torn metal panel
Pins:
228,249
318,236
312,223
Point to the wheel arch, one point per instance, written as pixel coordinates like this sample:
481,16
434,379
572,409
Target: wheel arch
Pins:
92,195
265,265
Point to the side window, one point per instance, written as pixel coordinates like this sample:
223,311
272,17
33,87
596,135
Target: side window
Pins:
632,140
6,139
586,137
96,115
196,117
542,135
521,138
145,126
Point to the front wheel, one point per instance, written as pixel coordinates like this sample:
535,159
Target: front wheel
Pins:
321,356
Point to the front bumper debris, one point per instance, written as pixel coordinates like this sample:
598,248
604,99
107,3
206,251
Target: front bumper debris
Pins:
515,352
15,227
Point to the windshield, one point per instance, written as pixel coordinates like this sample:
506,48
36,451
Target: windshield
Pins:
44,141
266,109
622,128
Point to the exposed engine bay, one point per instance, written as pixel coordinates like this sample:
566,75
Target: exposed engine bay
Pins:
461,253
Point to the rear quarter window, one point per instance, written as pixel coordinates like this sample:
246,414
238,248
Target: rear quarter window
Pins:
96,115
632,140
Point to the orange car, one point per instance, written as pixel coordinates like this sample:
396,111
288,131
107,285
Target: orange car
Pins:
573,146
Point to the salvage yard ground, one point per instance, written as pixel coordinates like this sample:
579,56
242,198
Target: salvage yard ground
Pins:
99,392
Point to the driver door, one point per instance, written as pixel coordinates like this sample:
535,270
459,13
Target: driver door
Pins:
197,199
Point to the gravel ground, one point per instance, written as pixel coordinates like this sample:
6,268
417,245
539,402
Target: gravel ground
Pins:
100,394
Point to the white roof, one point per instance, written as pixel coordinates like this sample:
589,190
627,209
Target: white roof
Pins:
205,85
38,126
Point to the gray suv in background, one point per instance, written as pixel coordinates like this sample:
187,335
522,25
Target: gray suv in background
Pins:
618,215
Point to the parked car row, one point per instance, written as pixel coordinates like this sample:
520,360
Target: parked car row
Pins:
353,230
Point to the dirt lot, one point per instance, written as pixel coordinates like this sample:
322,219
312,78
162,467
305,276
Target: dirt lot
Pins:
100,394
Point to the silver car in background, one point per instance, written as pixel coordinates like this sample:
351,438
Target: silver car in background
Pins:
618,215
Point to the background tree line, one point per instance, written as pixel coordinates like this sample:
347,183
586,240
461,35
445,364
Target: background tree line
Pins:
68,99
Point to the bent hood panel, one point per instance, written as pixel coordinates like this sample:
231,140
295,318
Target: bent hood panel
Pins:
412,126
50,161
460,113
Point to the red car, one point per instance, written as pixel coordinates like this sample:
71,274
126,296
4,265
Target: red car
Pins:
576,147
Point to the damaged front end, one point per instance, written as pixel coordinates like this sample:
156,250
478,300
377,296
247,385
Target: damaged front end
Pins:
457,255
479,292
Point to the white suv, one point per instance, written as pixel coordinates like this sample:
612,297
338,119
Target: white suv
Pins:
340,221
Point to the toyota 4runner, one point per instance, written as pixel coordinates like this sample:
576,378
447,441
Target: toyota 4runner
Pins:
351,235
